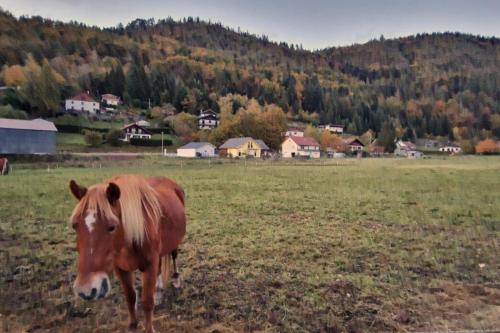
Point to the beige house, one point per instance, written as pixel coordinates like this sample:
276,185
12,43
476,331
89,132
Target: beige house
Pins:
296,146
241,147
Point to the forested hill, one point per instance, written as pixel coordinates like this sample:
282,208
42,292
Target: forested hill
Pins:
426,84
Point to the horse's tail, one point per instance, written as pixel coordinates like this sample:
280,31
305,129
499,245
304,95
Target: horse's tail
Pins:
165,269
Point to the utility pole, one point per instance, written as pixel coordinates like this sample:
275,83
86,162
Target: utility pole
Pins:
162,153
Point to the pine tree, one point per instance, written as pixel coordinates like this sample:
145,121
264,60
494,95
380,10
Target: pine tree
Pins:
387,136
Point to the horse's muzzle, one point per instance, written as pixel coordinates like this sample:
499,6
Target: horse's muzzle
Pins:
97,287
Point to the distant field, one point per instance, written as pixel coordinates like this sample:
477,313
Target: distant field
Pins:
362,246
74,142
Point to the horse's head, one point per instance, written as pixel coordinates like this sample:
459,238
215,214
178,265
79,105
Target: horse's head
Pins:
95,220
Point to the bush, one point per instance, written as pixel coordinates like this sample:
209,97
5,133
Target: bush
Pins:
150,143
93,139
79,129
7,111
114,137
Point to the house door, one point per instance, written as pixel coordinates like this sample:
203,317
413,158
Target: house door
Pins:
293,154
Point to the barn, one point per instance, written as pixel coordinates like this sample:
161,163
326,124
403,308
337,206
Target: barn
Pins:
196,149
35,136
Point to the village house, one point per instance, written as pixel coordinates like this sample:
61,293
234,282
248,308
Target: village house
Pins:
208,119
143,123
240,147
82,103
333,128
297,146
35,136
135,131
110,101
196,149
354,145
407,149
451,149
294,132
265,151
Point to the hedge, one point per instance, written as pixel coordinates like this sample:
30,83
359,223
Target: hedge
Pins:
79,129
150,143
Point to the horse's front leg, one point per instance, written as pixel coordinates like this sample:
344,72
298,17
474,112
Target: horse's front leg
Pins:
127,280
149,277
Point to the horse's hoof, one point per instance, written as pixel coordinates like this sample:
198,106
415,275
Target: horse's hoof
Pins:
133,326
158,297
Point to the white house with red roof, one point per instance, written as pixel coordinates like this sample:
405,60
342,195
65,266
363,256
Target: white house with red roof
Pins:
298,146
82,103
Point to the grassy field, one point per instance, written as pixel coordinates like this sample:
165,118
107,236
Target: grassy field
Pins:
357,246
74,142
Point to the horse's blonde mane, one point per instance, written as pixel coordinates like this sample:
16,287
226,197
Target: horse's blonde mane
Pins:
96,201
138,203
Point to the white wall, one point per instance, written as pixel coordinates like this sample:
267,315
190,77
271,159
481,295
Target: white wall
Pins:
288,147
90,107
186,152
205,151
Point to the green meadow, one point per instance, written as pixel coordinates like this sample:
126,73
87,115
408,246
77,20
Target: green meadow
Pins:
314,246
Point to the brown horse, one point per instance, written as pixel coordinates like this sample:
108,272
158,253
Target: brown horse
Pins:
4,166
125,224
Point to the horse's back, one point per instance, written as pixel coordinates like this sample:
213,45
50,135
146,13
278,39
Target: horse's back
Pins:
171,197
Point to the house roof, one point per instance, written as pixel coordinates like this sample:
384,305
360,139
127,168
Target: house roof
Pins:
235,142
207,112
262,144
34,125
83,97
294,129
353,142
136,125
304,141
196,145
110,96
407,145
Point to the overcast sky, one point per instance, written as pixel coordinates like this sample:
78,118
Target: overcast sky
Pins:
313,23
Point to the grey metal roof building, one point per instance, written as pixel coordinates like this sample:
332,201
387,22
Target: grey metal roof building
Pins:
262,144
35,136
196,145
235,142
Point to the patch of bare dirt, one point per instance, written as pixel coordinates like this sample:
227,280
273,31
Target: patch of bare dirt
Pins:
453,306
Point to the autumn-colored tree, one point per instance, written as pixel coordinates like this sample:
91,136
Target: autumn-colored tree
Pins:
42,89
467,147
14,76
275,125
312,132
184,125
487,146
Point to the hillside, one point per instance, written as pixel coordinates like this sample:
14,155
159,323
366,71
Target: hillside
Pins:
440,84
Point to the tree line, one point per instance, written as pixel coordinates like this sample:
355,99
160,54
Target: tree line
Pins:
426,85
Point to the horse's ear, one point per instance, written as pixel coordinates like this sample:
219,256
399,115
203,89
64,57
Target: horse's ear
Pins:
113,193
77,190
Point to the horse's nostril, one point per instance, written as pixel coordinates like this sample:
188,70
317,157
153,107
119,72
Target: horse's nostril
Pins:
104,288
93,293
85,297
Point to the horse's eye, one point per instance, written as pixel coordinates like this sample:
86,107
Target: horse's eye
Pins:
111,228
74,226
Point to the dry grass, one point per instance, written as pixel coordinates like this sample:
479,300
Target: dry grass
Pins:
370,245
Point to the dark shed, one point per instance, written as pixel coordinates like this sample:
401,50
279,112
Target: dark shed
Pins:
35,136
